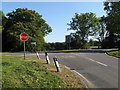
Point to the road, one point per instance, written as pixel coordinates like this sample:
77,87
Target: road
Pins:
97,67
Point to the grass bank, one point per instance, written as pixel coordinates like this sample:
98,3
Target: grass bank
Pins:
114,53
33,73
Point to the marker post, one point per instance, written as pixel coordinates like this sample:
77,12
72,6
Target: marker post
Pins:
57,64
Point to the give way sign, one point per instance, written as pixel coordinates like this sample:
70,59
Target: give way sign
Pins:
24,36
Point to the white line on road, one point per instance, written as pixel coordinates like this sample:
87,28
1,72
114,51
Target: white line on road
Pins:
97,62
102,63
84,80
87,83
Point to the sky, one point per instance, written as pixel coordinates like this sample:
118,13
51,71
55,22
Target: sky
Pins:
57,14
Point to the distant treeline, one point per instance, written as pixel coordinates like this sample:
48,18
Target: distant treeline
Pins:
66,46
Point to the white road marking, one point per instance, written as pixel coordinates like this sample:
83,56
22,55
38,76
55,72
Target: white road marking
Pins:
94,61
86,82
102,63
97,62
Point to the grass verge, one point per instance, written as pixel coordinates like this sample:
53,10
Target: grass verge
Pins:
33,73
114,53
70,80
94,47
91,47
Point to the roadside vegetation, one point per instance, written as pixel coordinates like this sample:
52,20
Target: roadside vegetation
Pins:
33,73
114,53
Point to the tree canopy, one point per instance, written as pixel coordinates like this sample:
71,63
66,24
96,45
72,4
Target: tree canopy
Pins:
84,25
1,16
28,21
112,21
113,16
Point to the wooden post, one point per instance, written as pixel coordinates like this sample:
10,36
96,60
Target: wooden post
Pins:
47,58
57,64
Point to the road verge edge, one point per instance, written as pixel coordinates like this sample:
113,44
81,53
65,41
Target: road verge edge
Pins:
88,85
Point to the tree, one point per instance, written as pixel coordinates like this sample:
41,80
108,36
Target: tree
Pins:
56,46
3,19
84,25
1,15
113,22
28,21
91,42
101,32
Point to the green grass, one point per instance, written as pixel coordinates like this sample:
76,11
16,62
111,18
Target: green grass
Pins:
19,73
60,50
34,73
114,53
63,50
93,47
69,78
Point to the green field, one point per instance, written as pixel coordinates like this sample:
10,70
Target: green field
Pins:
114,53
34,73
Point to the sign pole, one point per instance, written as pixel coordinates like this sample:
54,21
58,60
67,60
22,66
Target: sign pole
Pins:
24,37
24,50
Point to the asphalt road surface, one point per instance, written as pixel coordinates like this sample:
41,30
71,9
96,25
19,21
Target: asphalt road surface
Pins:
97,67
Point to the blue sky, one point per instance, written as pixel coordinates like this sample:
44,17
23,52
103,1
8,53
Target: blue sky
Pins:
57,14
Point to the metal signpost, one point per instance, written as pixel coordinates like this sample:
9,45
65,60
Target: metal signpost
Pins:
68,40
24,37
33,44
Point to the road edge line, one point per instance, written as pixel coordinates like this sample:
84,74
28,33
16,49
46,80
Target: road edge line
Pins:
83,80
